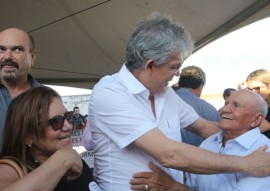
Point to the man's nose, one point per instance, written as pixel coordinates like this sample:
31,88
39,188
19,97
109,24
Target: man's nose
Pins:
7,55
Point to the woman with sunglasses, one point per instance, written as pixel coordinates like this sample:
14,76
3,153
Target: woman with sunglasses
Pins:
259,82
38,134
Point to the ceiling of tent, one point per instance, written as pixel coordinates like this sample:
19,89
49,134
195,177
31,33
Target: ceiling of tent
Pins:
80,41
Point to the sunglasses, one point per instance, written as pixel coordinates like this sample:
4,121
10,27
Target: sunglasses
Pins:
57,122
256,89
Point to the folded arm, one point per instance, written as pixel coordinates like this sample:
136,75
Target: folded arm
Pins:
64,162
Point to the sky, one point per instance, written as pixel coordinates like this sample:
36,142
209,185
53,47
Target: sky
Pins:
226,61
67,91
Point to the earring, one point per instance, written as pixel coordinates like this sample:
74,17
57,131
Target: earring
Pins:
29,146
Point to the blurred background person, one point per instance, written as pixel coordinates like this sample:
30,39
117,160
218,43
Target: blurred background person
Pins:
191,82
259,82
227,92
78,121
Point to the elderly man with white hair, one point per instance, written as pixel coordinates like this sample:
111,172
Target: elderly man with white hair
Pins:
240,119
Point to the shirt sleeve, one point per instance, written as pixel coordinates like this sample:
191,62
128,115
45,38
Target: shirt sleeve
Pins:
118,115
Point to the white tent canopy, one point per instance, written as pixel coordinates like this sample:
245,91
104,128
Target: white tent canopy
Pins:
80,41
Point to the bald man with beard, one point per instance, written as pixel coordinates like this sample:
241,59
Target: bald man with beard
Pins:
17,56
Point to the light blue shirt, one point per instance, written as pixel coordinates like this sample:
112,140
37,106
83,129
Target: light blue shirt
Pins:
240,146
5,100
120,112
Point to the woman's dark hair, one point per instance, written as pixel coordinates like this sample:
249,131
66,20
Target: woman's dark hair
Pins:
27,115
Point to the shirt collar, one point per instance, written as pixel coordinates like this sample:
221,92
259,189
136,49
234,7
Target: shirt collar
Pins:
249,138
33,82
246,140
133,85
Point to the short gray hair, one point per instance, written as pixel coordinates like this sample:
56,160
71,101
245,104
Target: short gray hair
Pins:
158,37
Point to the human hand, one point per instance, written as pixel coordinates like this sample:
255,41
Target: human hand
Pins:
258,162
157,180
72,162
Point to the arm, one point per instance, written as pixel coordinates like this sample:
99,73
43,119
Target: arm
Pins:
46,176
87,137
203,127
188,158
157,180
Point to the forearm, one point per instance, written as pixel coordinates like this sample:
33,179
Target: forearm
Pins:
195,160
177,155
43,178
204,128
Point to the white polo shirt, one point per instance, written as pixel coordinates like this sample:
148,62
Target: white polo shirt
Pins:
120,113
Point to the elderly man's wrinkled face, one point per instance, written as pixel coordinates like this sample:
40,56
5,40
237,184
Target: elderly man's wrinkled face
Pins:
238,114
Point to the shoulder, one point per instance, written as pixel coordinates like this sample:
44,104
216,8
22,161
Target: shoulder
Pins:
263,140
33,81
8,175
108,84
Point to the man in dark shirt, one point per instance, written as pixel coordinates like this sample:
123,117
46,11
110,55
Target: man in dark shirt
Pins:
78,120
191,83
17,56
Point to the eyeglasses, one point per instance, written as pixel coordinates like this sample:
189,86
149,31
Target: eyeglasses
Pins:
175,69
57,122
256,89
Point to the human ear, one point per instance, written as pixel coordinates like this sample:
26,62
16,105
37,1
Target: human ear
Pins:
33,57
257,121
149,64
29,142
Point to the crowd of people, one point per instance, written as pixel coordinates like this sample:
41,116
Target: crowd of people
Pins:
150,137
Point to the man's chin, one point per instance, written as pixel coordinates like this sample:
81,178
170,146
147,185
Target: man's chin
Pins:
9,77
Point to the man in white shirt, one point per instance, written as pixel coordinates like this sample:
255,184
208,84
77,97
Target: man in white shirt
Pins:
136,118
